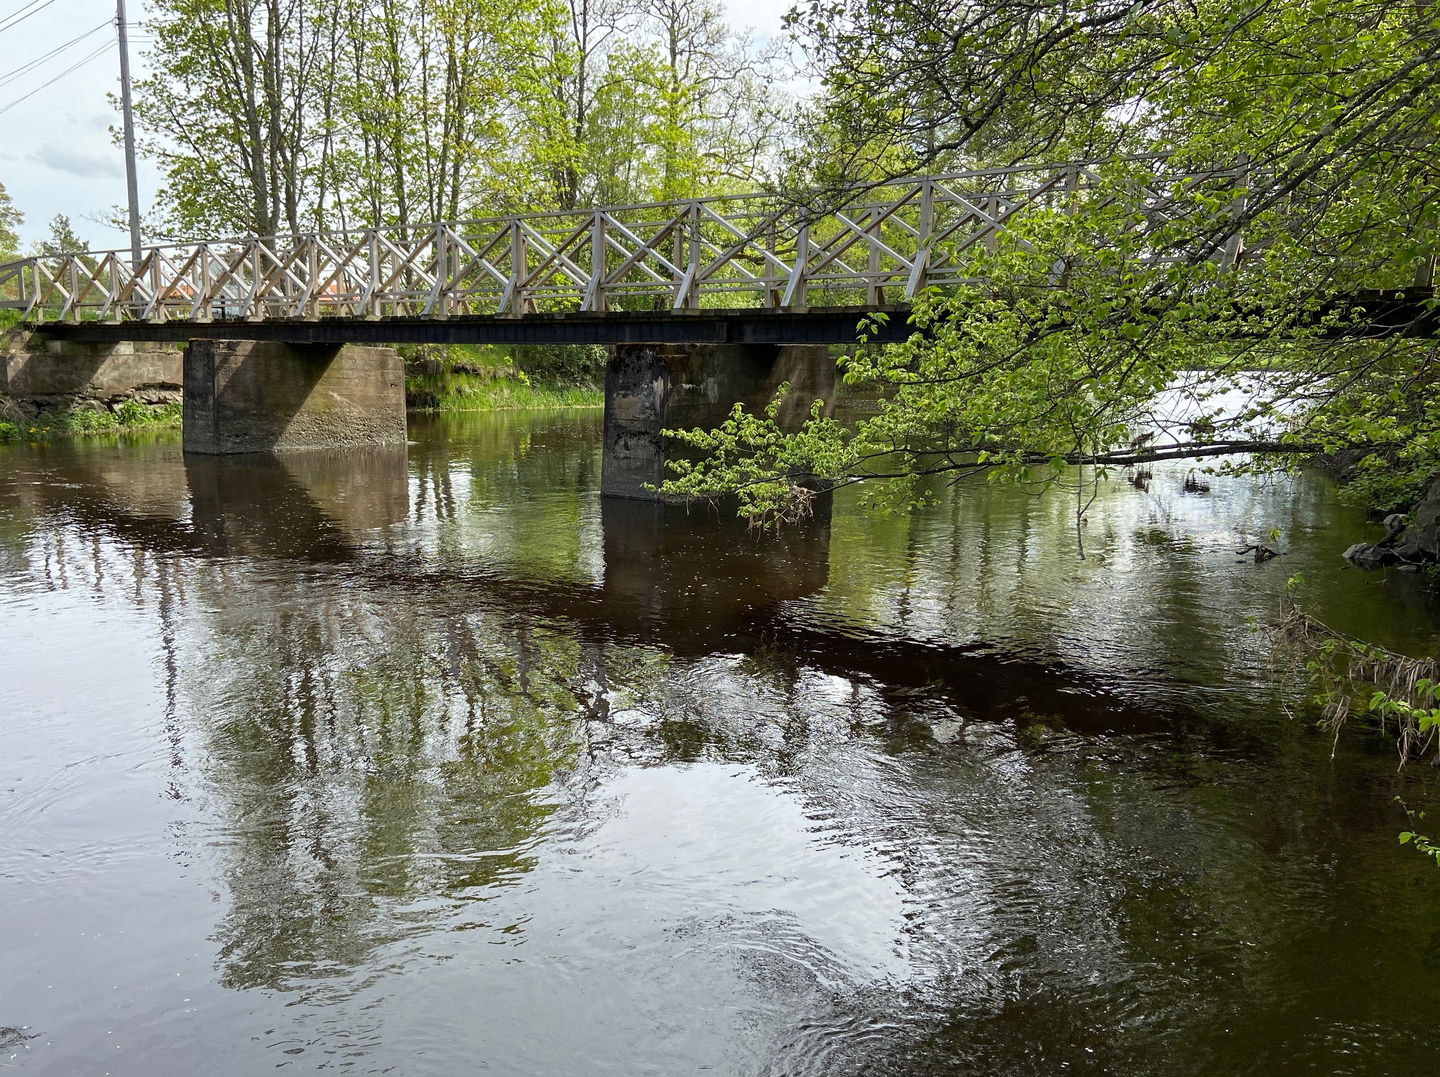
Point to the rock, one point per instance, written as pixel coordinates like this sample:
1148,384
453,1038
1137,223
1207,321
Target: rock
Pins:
1411,545
51,401
157,395
1394,525
66,402
1411,553
1368,556
1424,530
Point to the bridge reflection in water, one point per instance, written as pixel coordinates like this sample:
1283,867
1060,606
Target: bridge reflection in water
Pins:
465,764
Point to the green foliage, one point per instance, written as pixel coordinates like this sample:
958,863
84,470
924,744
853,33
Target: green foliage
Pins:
581,365
460,377
293,115
469,392
1086,309
477,377
1349,677
10,219
1383,484
1416,840
129,415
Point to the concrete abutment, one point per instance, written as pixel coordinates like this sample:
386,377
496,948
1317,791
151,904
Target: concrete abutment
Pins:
39,375
653,387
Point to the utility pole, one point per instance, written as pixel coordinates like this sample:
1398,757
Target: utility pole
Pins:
132,186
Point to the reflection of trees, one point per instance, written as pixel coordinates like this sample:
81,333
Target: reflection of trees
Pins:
507,490
1161,602
373,755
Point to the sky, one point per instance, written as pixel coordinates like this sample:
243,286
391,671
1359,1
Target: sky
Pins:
57,154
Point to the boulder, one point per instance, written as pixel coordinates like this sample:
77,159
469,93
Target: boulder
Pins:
1424,529
1369,556
1412,553
1409,544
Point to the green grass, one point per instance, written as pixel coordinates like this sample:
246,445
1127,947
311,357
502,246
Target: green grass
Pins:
66,423
460,391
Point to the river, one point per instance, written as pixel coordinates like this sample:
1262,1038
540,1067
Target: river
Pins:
431,762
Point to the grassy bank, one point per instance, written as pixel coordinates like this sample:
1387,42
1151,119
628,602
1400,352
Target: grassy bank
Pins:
78,422
461,391
480,377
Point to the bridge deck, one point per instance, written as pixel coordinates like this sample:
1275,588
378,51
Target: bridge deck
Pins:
832,325
1408,312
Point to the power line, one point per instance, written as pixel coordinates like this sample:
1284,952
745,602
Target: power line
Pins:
19,11
73,67
24,12
11,76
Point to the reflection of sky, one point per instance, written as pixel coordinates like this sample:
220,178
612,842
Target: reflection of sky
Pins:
695,910
1161,594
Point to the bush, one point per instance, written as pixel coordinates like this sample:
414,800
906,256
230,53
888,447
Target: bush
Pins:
132,413
72,422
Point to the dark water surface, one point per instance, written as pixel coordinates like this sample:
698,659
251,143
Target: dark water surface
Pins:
434,763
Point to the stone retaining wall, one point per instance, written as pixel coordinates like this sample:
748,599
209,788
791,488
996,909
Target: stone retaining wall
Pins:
39,375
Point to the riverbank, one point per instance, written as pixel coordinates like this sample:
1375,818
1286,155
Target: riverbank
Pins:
461,391
484,377
426,394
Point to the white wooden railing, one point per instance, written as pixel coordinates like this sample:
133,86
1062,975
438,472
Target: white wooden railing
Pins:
878,245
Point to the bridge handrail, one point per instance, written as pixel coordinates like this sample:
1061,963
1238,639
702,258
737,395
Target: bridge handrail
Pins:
764,245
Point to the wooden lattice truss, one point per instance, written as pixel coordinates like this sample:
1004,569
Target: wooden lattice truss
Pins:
875,245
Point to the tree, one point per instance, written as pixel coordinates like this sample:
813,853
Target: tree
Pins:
570,110
709,91
10,219
63,239
230,106
1327,114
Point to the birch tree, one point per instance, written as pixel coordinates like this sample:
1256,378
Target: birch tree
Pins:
230,109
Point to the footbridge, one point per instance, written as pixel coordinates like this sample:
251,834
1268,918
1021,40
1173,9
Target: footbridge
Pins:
765,266
708,301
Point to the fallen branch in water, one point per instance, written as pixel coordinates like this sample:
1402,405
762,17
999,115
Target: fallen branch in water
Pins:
1262,553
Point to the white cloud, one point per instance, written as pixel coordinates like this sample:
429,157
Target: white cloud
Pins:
77,162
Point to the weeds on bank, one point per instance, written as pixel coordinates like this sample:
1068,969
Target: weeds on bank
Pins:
80,422
457,391
1349,677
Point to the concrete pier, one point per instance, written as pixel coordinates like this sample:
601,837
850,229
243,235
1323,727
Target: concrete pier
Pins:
261,396
654,387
